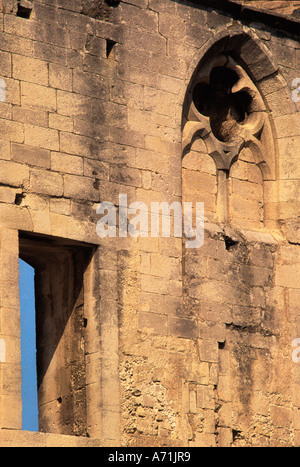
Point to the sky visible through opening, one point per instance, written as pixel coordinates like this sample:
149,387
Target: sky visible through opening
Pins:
28,348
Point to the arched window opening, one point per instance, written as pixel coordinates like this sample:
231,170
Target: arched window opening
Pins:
225,110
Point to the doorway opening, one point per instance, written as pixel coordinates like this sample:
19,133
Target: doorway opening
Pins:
58,267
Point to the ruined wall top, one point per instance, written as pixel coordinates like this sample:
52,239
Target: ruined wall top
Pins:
286,7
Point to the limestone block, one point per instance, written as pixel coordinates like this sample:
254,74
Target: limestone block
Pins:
181,327
204,440
66,163
80,188
60,205
5,150
31,116
212,330
61,122
13,173
46,182
11,131
154,323
32,156
208,350
38,97
30,70
87,84
125,176
281,416
60,77
224,390
288,275
78,145
41,221
9,194
225,437
45,138
293,232
5,64
11,419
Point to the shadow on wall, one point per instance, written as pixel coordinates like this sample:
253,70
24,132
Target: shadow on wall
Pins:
99,9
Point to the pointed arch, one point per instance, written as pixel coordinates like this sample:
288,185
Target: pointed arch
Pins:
226,108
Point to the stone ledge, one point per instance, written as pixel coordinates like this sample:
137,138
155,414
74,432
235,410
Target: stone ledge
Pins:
15,438
219,231
242,11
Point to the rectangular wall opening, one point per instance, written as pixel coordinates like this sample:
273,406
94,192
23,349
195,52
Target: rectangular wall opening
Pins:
61,324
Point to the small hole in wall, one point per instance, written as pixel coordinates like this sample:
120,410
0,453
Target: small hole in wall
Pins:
24,11
236,434
110,47
112,2
19,198
229,242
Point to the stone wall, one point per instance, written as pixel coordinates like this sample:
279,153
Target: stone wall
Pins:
176,346
282,7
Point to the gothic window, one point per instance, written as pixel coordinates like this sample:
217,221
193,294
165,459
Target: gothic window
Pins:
226,111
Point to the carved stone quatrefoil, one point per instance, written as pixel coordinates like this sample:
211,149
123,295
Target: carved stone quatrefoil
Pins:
226,110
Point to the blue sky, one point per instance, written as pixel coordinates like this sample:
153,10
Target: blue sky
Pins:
28,348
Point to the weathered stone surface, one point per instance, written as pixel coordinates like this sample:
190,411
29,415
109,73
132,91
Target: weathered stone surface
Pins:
143,341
